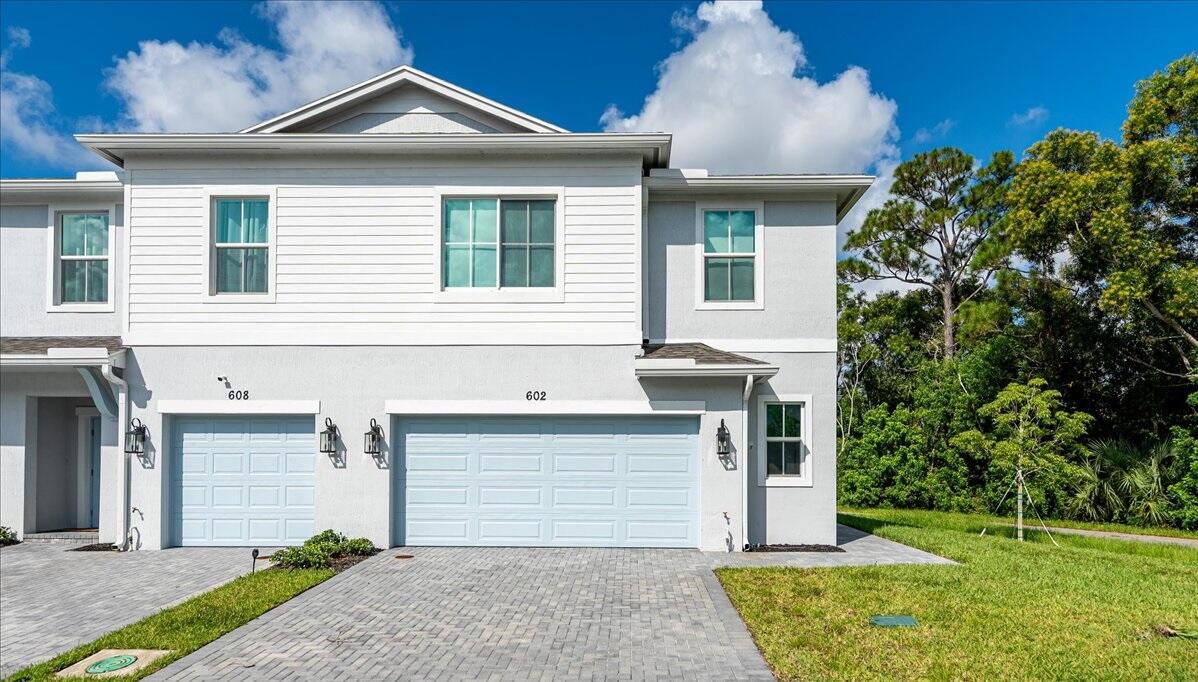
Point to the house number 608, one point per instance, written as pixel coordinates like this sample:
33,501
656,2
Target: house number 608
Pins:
239,395
534,395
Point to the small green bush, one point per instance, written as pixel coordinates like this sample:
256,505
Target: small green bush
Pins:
319,550
7,536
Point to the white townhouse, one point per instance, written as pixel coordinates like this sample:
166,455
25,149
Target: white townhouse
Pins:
408,312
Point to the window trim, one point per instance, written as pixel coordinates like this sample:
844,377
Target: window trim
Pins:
805,480
54,302
211,195
758,302
498,293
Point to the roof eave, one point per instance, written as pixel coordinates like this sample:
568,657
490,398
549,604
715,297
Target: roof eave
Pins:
848,189
653,147
757,371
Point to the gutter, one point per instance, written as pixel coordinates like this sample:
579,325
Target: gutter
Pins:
122,392
744,463
687,369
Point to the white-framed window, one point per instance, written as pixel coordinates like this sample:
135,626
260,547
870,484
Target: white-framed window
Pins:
240,256
499,245
81,268
241,243
729,268
783,441
493,242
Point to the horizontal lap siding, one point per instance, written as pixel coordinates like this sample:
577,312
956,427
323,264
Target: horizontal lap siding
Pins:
357,248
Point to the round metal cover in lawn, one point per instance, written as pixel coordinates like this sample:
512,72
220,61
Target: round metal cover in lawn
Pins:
107,665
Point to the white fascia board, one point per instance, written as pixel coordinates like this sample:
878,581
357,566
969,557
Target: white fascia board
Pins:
546,407
14,191
759,371
848,189
654,148
391,79
60,360
238,406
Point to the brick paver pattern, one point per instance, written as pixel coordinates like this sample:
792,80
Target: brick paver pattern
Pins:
514,614
52,599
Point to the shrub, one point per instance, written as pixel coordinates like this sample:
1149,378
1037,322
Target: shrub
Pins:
319,550
7,536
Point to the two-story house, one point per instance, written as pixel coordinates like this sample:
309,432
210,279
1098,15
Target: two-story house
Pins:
411,313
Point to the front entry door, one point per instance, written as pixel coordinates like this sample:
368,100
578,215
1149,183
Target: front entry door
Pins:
93,515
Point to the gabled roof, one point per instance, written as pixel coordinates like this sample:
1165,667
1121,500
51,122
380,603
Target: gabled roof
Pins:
403,75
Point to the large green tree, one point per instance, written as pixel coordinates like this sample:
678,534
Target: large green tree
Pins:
1123,217
936,231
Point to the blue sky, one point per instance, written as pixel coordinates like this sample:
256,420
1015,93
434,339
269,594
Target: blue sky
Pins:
965,74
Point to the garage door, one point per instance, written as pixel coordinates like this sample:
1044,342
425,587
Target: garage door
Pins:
616,482
242,480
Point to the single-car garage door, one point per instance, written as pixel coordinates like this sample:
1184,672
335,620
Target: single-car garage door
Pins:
242,480
561,481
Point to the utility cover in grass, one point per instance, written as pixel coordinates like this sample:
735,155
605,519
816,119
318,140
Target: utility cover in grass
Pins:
119,667
893,621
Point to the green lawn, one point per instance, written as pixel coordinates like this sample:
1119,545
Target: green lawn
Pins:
1086,610
192,624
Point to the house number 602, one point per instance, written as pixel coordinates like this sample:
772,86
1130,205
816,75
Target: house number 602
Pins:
534,395
239,395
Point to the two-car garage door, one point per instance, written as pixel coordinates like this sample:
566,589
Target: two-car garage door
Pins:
554,481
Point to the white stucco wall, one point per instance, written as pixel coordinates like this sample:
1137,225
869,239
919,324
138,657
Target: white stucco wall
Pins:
352,384
24,242
799,257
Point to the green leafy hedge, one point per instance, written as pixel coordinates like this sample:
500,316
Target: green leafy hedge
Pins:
321,549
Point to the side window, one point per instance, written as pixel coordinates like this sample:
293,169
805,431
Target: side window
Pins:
784,441
498,243
83,258
729,255
241,245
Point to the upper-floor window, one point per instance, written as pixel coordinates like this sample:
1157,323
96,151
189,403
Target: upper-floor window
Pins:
729,255
498,242
241,245
83,257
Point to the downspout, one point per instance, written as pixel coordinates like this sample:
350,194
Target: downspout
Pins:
744,463
122,406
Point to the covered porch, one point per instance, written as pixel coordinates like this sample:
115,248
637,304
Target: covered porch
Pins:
61,454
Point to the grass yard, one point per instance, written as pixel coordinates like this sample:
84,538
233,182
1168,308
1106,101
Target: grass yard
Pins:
1086,610
192,624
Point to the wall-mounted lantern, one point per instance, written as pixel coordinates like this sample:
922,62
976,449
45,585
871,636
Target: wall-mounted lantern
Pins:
135,437
723,440
328,437
373,441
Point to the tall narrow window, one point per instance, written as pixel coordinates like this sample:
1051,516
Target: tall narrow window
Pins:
729,255
83,257
241,245
784,439
505,243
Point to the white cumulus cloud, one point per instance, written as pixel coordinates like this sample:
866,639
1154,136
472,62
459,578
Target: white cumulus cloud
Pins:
936,132
1026,119
28,120
167,86
737,98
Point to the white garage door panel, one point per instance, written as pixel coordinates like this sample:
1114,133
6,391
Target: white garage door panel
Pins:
245,480
628,481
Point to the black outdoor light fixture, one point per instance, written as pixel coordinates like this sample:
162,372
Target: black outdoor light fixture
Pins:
135,437
373,442
328,437
723,440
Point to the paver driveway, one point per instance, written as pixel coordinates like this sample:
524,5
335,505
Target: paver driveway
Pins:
518,614
52,599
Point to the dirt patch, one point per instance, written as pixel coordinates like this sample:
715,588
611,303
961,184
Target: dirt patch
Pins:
342,563
794,548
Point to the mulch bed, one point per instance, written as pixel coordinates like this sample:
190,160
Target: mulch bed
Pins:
794,548
97,547
342,563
